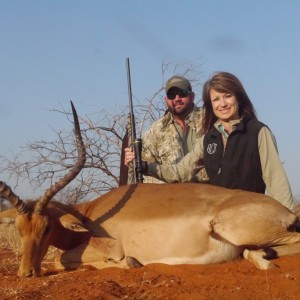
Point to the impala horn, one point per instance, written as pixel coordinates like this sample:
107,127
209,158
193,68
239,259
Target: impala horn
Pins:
75,170
9,195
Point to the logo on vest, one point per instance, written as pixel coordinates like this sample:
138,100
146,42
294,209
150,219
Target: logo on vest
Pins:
211,148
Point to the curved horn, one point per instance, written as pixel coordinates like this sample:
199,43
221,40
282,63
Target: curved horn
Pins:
56,187
9,195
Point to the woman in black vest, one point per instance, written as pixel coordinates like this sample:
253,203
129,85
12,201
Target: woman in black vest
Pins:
237,150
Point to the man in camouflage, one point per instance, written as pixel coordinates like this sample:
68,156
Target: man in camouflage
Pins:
171,137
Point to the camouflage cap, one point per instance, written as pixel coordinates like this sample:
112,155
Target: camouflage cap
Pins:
179,82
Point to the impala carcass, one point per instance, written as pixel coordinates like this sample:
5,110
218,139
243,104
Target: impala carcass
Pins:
135,225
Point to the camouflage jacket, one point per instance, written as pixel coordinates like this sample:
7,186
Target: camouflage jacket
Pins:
165,143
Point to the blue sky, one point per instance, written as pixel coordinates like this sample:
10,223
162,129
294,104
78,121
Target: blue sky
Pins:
53,51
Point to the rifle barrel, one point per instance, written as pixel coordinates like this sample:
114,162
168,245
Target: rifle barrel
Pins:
132,120
136,143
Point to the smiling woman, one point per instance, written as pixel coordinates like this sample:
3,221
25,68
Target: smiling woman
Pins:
225,107
238,151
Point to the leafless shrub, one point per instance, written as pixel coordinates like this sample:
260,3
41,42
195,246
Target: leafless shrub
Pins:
102,135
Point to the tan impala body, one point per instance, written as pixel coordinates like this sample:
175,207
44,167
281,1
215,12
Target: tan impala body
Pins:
135,225
181,224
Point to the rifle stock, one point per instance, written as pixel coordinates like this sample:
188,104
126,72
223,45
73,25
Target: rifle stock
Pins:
136,142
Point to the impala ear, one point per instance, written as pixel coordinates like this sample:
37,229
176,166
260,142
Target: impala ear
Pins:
8,216
72,223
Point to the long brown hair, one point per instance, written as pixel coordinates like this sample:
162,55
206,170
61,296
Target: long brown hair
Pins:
224,82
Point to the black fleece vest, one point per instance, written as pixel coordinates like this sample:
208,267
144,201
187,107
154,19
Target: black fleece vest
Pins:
239,166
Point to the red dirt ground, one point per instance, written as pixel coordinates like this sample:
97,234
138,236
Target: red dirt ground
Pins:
234,280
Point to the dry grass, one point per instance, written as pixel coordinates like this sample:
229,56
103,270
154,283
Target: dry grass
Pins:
10,239
11,249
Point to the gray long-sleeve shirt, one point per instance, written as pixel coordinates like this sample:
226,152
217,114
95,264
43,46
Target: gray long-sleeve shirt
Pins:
274,175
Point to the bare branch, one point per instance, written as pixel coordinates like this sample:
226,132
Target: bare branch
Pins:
42,162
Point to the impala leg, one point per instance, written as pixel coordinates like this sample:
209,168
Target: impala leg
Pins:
257,258
100,253
261,257
289,249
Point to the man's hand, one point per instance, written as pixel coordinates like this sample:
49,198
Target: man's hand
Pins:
129,157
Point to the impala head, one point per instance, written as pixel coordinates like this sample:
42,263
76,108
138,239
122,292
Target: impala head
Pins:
33,220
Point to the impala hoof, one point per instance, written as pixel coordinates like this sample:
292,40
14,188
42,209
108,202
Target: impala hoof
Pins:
256,257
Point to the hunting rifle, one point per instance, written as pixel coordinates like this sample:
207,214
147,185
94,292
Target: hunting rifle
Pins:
136,142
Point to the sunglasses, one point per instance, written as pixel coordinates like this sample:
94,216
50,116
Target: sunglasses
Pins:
181,93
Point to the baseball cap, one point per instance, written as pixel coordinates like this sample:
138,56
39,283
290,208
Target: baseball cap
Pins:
179,82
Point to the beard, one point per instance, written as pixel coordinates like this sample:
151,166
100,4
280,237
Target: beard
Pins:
181,110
